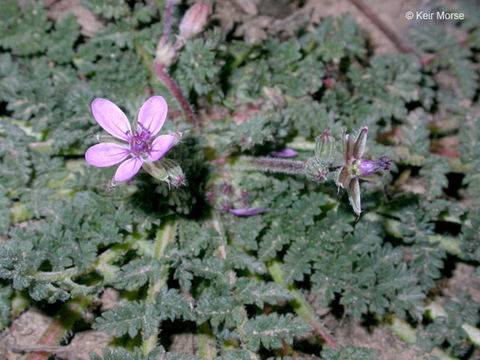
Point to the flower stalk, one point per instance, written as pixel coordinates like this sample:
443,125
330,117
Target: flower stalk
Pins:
172,86
267,164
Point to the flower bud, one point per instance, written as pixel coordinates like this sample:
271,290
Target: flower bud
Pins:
316,169
194,20
324,146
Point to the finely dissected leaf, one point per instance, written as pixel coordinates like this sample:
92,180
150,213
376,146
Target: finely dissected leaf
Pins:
269,330
5,305
109,8
137,273
350,353
199,65
157,353
415,135
66,233
23,28
130,318
443,330
435,171
449,54
215,309
66,33
235,354
172,305
298,259
249,291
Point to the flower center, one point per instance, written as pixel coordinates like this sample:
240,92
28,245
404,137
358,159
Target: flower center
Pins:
139,143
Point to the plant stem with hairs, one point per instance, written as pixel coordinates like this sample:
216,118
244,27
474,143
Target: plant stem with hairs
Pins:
171,85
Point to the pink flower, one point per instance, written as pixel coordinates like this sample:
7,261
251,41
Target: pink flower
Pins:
137,146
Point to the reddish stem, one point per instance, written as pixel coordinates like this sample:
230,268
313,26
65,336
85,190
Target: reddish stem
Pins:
166,22
323,334
397,40
51,336
59,326
176,92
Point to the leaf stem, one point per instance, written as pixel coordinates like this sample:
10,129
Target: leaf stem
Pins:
164,236
301,306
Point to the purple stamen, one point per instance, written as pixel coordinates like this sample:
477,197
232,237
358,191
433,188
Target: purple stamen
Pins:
139,142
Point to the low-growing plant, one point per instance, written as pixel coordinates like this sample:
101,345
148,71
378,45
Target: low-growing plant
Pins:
238,218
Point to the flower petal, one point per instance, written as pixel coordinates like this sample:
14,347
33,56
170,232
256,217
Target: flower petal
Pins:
285,153
160,146
106,154
248,212
128,169
360,143
111,118
152,115
354,195
343,178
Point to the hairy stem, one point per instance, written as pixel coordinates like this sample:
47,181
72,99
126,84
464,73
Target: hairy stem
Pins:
166,22
172,86
394,38
267,164
164,236
301,306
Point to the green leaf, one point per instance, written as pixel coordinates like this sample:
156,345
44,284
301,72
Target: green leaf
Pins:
130,318
270,330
